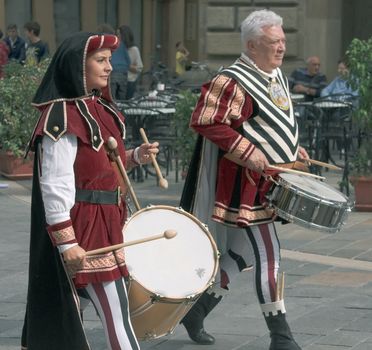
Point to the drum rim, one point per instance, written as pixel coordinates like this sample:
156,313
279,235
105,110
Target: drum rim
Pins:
347,201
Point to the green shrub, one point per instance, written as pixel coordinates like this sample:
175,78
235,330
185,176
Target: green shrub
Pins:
186,136
17,116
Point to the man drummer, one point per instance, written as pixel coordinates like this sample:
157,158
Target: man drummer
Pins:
244,113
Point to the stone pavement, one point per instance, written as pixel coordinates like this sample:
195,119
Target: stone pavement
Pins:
328,287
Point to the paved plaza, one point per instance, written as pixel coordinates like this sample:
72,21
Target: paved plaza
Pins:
328,289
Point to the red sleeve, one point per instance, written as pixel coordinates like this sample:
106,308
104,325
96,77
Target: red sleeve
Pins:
222,107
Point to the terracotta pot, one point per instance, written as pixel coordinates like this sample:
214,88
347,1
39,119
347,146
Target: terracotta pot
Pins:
15,168
363,192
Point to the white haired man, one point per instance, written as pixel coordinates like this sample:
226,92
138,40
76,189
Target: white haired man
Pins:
245,121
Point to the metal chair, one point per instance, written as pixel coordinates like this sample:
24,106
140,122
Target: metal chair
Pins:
309,124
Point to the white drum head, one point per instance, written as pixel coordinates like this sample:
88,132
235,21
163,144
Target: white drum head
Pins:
314,187
174,268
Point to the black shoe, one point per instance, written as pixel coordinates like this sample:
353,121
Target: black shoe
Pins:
280,333
200,336
193,320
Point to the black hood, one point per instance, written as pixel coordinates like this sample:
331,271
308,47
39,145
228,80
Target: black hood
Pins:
65,77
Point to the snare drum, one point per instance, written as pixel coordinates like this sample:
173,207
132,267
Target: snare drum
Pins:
308,202
166,275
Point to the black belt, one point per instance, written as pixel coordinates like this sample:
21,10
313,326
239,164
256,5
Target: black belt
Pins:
98,196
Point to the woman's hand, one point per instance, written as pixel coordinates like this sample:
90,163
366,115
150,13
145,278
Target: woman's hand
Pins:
74,256
145,150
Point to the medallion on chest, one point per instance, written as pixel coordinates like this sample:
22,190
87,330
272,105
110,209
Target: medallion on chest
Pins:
278,94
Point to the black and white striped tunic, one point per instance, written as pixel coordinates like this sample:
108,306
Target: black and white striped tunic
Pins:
273,130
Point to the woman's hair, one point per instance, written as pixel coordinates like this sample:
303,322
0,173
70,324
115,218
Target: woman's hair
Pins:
126,36
251,27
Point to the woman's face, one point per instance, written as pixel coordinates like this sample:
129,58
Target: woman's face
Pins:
98,69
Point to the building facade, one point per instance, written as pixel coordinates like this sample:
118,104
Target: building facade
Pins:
209,28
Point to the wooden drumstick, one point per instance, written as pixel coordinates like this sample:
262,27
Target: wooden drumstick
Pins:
167,234
295,172
112,146
162,182
279,292
325,165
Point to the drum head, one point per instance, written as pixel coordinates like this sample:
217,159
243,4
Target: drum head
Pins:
314,187
175,268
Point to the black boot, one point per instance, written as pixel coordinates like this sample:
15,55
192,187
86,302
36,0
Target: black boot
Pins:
280,333
193,320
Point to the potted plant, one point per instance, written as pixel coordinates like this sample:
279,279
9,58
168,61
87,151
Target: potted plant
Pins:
18,116
359,55
186,138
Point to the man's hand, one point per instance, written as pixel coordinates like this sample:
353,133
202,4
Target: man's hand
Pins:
257,161
302,154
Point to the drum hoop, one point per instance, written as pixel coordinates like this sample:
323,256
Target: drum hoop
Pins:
286,184
179,210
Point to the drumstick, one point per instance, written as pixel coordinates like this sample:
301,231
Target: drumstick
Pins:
295,172
281,294
168,234
325,165
112,146
162,182
279,291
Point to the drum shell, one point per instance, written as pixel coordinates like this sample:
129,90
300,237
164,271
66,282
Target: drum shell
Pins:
153,317
306,209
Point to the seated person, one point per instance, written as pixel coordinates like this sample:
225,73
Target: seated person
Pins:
340,88
308,81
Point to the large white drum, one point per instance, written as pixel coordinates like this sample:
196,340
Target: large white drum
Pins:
166,275
308,202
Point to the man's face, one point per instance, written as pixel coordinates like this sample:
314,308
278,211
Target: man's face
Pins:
27,33
313,66
12,34
268,50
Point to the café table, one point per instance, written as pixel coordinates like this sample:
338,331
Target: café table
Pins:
336,119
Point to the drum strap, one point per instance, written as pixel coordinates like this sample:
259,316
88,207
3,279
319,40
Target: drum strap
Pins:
98,196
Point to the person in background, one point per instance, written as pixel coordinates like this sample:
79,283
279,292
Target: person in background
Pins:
36,49
136,64
78,201
245,121
17,46
308,81
4,53
182,55
340,86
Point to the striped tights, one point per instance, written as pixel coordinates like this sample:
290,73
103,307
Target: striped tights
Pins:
258,246
110,300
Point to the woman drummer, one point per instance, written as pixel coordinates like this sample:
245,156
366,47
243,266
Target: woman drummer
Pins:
76,201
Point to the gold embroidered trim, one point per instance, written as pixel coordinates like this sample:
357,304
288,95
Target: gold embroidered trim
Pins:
241,148
243,214
101,263
63,236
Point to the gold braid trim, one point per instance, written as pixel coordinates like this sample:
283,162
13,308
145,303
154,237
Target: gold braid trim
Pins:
63,236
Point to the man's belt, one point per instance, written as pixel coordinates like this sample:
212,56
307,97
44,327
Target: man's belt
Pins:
98,196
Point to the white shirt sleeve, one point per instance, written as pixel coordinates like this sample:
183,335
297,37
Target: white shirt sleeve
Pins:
57,178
